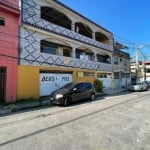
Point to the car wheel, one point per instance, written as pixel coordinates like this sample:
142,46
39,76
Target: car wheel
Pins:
67,101
92,97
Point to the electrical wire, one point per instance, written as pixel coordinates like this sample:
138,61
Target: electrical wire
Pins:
65,23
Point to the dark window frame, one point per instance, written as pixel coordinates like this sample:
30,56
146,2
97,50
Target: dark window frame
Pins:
2,21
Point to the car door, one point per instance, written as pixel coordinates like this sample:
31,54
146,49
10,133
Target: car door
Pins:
79,92
88,90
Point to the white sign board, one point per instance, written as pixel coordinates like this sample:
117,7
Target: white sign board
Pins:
49,82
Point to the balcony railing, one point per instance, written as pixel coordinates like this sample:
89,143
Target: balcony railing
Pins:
121,68
42,59
31,16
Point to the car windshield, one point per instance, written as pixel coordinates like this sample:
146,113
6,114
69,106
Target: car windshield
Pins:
69,85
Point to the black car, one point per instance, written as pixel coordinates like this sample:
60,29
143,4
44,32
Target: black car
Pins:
73,92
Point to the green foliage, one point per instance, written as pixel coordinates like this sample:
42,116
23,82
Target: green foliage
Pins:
98,85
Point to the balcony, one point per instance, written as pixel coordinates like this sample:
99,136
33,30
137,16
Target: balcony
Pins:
56,60
121,68
33,18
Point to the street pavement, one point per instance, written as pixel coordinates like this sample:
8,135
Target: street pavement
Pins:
117,122
8,109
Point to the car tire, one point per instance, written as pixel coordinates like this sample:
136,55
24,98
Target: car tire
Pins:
92,97
67,101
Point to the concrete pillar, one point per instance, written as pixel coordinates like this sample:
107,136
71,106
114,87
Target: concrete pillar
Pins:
73,26
60,51
74,52
93,35
95,57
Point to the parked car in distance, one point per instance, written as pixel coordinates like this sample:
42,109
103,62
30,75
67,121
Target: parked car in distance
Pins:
139,86
73,92
148,83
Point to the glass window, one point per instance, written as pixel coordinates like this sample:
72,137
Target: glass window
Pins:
80,86
48,47
116,75
88,86
2,21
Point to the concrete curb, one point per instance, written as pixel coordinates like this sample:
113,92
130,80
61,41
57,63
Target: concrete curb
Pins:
8,109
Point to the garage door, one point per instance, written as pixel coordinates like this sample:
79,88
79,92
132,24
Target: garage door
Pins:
52,81
106,79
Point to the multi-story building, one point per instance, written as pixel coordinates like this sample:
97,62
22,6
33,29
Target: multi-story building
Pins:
58,45
9,19
140,71
121,66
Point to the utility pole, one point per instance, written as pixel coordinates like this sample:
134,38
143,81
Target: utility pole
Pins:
137,62
138,48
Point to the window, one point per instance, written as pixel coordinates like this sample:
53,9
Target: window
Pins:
87,74
80,86
80,54
102,75
48,47
147,70
56,17
66,52
103,59
115,60
88,86
116,75
2,21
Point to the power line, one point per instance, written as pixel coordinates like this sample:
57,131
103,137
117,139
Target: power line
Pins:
29,12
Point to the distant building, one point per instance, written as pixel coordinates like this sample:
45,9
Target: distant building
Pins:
121,66
9,19
140,71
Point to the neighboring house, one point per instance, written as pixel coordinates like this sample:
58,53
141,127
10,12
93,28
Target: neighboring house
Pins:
9,19
121,66
140,71
58,45
147,70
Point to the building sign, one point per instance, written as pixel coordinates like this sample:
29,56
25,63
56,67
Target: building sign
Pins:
52,81
80,74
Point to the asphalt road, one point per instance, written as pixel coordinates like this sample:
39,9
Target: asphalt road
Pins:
120,122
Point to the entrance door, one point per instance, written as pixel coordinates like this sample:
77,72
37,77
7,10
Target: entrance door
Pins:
106,79
2,84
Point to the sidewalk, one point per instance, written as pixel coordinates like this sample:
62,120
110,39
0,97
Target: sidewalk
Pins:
114,91
14,107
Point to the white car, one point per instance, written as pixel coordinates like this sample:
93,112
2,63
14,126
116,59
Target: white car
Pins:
139,86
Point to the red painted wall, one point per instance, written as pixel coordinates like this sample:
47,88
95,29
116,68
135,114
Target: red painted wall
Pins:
9,45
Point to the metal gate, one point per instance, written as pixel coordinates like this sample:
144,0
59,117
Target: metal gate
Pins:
49,82
2,84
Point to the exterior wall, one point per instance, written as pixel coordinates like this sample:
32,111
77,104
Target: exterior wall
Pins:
9,46
28,79
33,61
123,69
31,55
32,16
